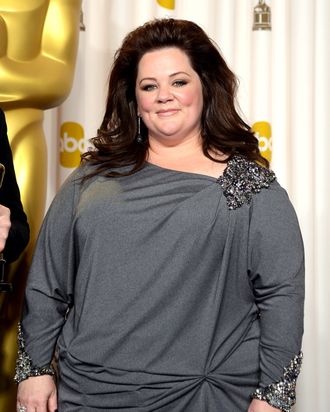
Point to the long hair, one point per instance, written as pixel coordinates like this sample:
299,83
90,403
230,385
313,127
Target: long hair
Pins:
222,128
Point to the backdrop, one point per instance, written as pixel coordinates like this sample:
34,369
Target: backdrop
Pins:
284,91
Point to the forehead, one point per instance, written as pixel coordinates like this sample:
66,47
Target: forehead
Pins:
169,58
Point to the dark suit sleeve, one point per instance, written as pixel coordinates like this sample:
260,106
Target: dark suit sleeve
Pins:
10,197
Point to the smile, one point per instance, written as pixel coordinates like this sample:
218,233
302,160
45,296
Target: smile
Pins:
167,113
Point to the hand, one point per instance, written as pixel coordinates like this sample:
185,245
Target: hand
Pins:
4,225
261,406
37,394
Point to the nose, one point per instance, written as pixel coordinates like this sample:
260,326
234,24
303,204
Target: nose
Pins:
164,94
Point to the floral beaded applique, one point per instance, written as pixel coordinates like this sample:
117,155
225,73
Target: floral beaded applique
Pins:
241,179
282,394
24,366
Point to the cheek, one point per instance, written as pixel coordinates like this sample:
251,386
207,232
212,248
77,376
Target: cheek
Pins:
144,102
192,98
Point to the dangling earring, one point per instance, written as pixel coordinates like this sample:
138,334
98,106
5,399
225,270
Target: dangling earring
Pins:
139,137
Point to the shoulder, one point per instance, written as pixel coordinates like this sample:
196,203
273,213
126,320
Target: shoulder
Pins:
243,179
76,183
71,186
78,175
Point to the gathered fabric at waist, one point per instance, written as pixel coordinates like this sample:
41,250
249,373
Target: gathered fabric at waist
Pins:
222,388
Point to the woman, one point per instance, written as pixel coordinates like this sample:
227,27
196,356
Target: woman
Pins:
169,269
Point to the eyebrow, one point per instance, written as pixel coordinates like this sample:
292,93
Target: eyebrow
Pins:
171,75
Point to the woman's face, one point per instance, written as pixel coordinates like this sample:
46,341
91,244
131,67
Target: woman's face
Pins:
169,96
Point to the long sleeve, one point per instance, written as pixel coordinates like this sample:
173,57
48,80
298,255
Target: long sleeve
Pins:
18,236
277,276
49,290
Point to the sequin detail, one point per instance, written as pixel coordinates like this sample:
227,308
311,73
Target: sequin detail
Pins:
24,366
241,179
282,394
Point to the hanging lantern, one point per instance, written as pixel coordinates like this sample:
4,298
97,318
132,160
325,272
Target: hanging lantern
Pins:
262,16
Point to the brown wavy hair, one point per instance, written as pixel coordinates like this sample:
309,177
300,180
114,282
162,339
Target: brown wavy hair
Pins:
222,128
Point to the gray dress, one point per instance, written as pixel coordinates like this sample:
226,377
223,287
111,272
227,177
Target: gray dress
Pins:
167,291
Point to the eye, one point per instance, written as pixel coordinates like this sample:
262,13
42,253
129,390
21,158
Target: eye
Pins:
180,83
148,87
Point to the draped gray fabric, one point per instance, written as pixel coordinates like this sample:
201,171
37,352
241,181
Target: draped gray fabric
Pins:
176,302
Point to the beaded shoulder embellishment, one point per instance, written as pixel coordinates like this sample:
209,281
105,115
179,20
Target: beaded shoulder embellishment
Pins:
241,179
282,394
24,366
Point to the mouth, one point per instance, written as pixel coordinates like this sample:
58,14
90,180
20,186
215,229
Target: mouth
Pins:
167,112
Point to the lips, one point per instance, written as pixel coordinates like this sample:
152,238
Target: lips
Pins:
167,112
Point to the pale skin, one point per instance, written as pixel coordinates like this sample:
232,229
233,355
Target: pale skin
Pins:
37,394
4,225
170,101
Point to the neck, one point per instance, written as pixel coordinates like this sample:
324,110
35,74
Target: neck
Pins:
168,151
187,156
